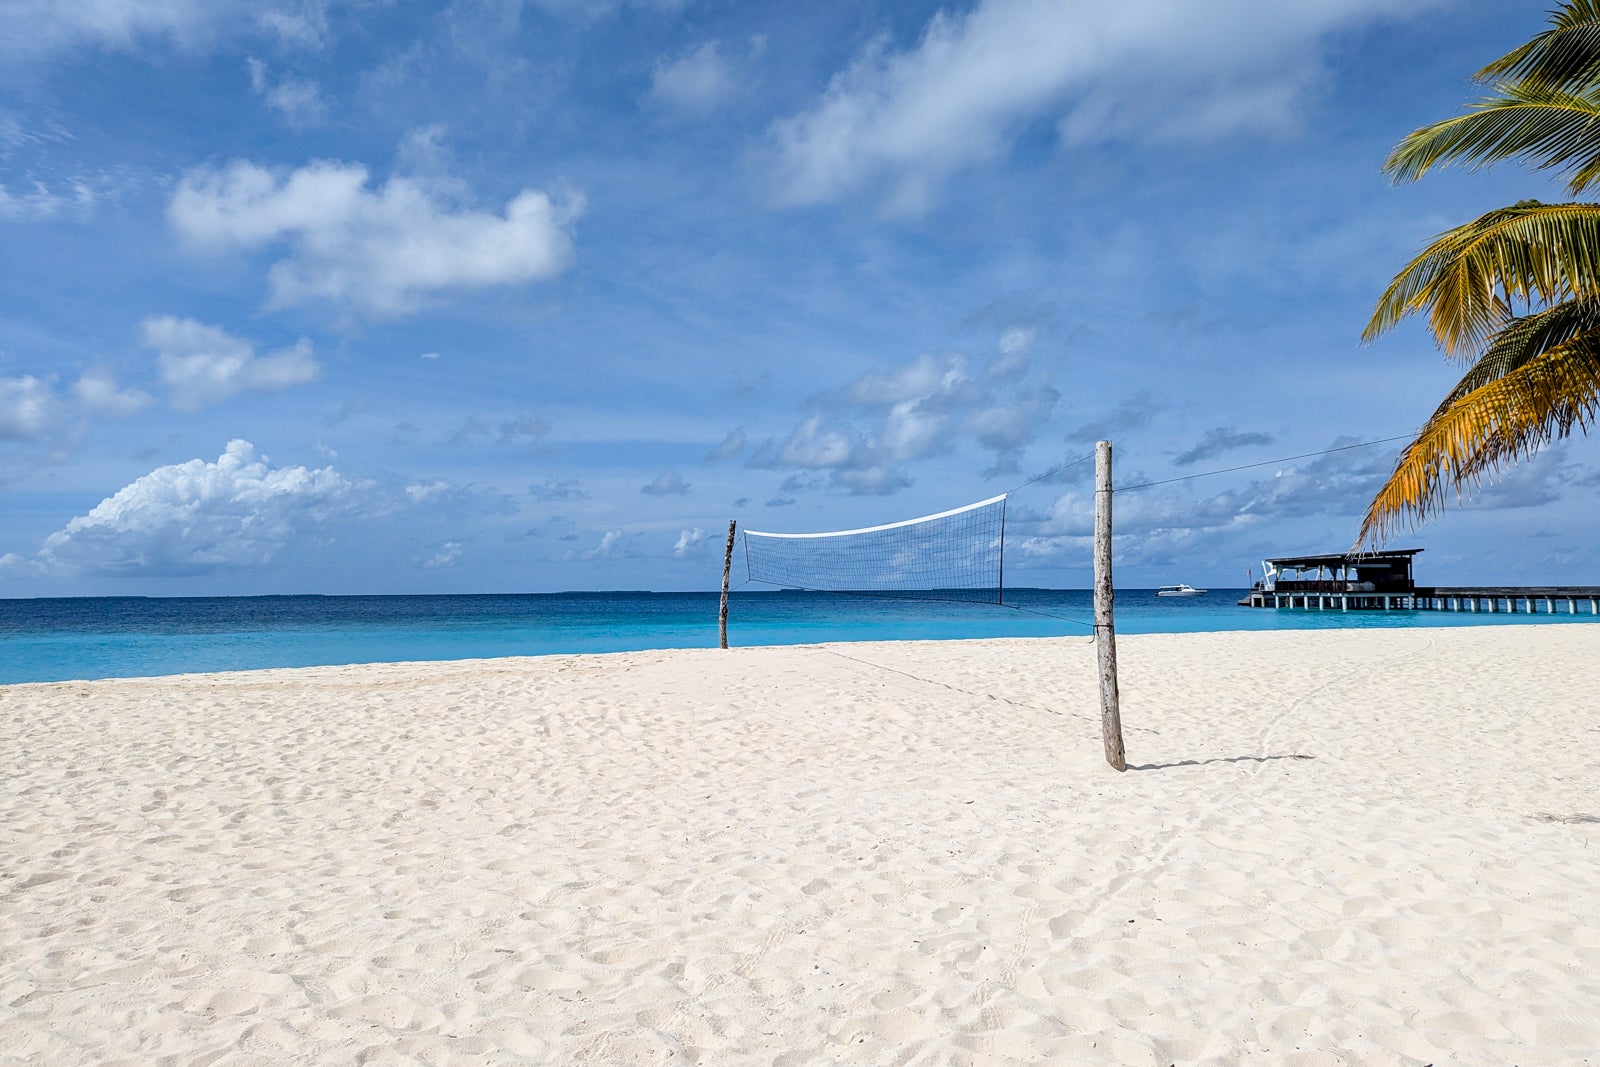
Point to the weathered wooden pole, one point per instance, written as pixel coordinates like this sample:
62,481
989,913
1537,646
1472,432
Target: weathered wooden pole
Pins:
727,567
1105,632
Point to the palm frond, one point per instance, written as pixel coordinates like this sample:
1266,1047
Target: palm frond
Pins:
1525,339
1566,56
1497,423
1468,278
1548,128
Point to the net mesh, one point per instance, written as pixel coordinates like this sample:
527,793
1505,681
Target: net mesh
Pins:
954,555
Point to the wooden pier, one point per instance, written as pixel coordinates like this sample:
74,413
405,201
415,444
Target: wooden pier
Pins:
1508,599
1381,581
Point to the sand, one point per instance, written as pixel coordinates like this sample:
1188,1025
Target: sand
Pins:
1375,847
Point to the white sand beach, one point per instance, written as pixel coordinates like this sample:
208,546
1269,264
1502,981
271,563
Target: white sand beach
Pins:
1332,847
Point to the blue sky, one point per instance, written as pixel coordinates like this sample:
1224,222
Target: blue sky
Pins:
348,296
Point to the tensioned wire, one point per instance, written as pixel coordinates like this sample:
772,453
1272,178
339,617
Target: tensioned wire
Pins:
1263,463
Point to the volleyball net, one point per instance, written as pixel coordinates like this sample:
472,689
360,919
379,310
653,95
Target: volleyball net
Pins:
954,555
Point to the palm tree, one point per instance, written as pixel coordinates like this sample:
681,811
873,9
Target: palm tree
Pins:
1515,293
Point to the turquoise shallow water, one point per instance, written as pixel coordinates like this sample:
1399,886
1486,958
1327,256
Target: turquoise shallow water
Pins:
65,639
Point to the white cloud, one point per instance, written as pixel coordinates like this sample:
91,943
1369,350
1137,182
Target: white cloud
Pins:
447,556
668,483
203,365
865,433
384,250
689,542
552,489
198,517
604,550
27,408
422,493
41,202
696,83
98,391
1144,70
730,446
298,100
36,29
589,10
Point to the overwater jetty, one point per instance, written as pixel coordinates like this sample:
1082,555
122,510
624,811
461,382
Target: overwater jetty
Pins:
1382,581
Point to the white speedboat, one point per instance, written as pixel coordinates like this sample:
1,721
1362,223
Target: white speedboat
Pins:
1179,590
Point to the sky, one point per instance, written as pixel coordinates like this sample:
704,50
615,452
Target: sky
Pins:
354,296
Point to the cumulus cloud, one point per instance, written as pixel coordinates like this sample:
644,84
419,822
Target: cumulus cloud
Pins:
689,542
202,365
864,434
1142,70
668,483
28,408
1217,441
695,83
384,250
98,391
608,546
198,517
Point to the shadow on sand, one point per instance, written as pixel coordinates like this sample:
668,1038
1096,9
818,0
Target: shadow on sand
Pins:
1219,759
1571,820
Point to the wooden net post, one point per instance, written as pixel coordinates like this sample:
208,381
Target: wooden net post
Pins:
1105,631
727,568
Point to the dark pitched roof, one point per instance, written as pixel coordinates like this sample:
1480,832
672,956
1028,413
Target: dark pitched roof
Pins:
1335,559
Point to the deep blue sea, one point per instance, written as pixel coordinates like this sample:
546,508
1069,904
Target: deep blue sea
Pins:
112,637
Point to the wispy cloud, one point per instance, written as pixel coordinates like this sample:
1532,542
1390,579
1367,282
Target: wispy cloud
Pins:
449,555
523,430
555,489
1132,414
28,408
902,120
33,31
42,202
1219,441
729,447
298,101
695,83
668,483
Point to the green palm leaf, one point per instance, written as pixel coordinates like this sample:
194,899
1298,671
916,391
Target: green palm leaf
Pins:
1550,128
1566,56
1468,279
1493,424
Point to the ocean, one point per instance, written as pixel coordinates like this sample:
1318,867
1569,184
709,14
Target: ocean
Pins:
127,637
